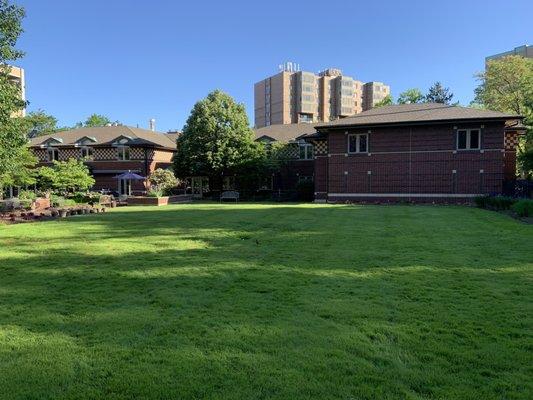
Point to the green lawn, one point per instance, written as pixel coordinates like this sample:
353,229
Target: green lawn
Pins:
248,301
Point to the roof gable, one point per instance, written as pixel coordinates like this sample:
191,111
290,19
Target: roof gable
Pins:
52,141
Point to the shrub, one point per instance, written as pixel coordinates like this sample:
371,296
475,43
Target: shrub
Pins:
305,191
57,201
162,180
25,203
524,208
494,202
155,193
481,201
27,195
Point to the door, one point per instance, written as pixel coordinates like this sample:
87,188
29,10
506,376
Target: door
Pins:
124,187
199,186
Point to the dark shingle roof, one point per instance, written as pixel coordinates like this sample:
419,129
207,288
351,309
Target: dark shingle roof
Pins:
416,113
284,133
107,134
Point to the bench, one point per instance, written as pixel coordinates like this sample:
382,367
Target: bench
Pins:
229,195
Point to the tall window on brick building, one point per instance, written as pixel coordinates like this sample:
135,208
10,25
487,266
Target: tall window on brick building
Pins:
468,139
358,143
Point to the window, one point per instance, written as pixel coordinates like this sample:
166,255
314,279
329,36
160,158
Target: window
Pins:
86,152
123,153
307,88
358,143
53,154
306,151
468,139
306,118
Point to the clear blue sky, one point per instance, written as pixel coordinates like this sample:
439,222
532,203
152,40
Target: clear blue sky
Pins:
134,60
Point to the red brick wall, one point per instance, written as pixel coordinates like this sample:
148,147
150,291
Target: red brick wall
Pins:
417,160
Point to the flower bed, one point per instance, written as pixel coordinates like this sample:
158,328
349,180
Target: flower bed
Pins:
49,213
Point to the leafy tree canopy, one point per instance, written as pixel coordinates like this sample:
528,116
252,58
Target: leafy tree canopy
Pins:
162,179
216,139
387,101
95,120
507,86
65,176
439,94
411,96
39,123
14,154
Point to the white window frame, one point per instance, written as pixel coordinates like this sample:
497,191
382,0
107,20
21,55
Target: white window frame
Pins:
52,150
86,149
121,154
358,143
468,135
308,151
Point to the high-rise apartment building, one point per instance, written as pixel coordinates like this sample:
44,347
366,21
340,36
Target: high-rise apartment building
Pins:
374,92
294,96
524,51
16,74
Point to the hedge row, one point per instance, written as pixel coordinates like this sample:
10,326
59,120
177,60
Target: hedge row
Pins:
523,207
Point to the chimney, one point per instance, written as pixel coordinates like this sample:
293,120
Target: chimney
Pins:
152,125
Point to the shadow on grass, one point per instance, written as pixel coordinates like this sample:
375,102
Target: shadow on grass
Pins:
281,301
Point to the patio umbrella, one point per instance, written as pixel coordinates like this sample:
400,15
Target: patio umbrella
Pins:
131,176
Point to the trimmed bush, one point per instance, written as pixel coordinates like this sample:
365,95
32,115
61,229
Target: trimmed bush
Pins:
494,202
524,208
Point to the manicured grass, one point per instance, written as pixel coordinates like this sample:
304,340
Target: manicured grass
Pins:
209,301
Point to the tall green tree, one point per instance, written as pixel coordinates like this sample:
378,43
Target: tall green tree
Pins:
386,101
439,94
95,120
411,96
507,86
216,140
14,154
39,123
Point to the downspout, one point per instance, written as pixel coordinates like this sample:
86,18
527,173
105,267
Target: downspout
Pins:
410,160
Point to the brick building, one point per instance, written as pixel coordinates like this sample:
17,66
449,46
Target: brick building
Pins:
109,151
298,155
419,152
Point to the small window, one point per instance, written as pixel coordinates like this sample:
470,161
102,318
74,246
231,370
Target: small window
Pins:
53,154
123,153
86,152
468,139
306,151
358,143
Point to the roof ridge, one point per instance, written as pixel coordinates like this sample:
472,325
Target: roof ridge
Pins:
362,114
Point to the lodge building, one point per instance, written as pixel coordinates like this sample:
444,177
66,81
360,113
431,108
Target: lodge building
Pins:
415,152
109,151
